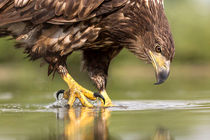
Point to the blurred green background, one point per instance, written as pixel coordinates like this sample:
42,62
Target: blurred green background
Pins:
25,85
129,78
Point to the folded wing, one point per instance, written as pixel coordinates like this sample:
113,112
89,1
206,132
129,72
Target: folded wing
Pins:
55,11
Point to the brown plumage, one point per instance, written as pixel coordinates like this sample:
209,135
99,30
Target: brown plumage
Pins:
53,29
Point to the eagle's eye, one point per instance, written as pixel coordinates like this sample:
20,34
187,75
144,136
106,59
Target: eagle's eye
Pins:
158,49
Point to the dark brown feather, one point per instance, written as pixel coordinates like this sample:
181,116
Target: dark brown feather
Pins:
53,29
3,3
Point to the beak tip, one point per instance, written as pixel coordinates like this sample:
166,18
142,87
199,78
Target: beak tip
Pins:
159,82
162,77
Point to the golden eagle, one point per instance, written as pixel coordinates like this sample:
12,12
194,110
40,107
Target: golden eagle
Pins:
100,29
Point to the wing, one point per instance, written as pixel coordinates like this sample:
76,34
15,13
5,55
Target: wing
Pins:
55,11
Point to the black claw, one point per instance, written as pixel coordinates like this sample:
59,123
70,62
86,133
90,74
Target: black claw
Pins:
59,92
96,94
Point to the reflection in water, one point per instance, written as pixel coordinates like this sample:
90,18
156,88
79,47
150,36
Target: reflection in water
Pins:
91,124
84,123
162,134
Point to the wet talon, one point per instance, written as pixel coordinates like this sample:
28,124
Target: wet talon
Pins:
58,94
96,94
77,91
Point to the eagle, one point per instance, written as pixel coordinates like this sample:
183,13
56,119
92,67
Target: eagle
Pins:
52,30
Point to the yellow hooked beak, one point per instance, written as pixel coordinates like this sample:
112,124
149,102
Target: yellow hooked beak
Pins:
161,65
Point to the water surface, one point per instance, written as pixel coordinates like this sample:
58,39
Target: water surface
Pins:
177,110
145,120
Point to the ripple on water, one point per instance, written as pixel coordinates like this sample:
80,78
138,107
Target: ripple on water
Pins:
120,106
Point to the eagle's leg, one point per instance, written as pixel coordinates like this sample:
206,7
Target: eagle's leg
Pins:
100,81
77,91
96,63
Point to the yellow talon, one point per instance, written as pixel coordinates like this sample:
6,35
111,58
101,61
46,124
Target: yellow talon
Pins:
108,102
77,91
83,100
72,99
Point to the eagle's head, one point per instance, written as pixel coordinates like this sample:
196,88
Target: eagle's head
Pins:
150,36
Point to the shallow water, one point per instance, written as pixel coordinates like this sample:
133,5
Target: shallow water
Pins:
177,110
140,119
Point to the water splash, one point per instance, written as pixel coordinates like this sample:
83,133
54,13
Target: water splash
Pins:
119,105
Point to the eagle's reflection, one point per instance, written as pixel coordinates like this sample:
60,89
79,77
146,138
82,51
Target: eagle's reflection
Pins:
85,123
162,134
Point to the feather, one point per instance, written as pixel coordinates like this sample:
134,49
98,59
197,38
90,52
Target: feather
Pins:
53,29
20,3
3,3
